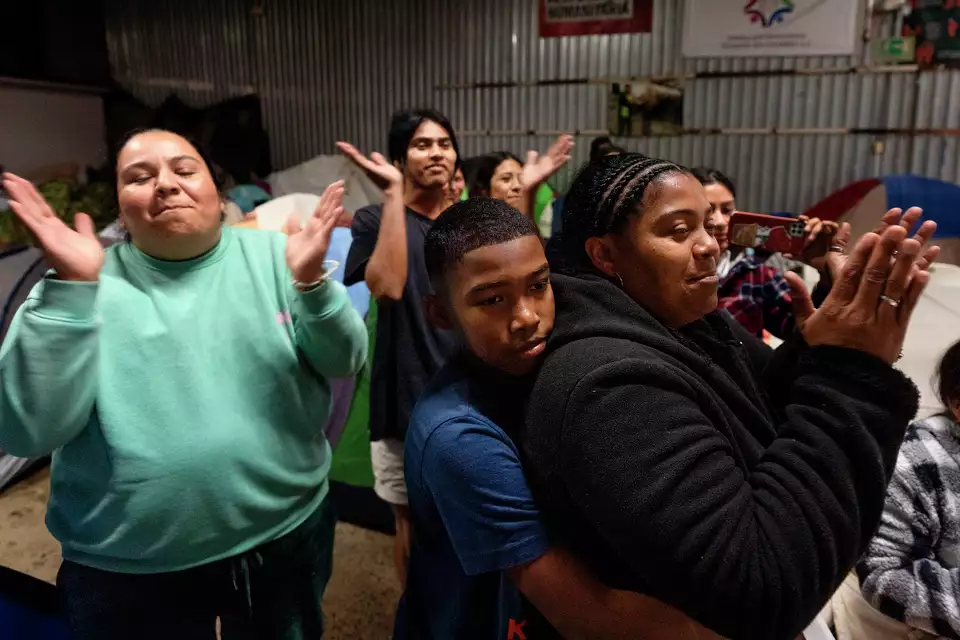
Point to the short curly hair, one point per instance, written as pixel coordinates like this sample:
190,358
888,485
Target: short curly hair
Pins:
603,197
468,225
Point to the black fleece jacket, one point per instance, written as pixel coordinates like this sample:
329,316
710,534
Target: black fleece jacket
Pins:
733,482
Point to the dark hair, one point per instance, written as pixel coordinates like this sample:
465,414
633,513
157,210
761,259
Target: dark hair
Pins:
469,168
482,169
604,195
602,147
708,176
405,123
948,376
218,178
468,225
215,174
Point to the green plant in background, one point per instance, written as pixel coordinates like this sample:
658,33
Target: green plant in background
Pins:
66,198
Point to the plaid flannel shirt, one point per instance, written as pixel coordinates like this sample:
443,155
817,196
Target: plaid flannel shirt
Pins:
758,297
911,569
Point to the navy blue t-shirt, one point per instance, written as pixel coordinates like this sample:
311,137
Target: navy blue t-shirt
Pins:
473,513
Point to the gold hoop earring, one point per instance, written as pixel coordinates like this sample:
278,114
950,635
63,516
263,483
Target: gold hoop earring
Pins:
621,281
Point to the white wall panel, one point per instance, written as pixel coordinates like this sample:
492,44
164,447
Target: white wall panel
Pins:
42,125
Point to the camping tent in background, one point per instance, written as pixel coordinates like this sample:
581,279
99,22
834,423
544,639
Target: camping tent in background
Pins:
862,203
20,269
313,176
936,321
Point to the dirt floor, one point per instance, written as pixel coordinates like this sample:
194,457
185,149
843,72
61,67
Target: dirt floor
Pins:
359,603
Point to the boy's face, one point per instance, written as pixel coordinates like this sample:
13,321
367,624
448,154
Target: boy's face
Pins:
500,301
430,156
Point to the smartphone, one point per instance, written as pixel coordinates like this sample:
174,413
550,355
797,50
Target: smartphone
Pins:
769,233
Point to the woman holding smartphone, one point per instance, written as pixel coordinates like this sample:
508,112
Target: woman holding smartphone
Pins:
751,289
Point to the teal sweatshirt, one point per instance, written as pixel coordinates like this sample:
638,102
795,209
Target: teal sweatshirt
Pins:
183,402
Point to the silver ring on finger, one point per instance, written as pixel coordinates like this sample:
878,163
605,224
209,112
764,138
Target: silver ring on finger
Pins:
836,248
890,301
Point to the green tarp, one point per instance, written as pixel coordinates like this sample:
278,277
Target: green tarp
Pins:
351,459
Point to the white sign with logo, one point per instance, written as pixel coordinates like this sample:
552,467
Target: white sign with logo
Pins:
740,28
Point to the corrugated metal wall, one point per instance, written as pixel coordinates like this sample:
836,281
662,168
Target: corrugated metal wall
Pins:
329,70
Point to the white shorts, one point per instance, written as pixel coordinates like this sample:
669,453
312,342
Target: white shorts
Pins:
388,481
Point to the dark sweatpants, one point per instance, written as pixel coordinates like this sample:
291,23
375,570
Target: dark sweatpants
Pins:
271,592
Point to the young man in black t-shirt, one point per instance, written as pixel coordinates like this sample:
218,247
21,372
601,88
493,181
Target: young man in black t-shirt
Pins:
387,253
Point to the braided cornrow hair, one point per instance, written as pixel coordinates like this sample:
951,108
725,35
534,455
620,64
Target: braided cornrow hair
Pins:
603,197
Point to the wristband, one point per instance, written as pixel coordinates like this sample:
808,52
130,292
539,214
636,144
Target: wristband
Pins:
329,266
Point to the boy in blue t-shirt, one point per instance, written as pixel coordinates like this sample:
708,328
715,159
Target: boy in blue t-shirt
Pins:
480,556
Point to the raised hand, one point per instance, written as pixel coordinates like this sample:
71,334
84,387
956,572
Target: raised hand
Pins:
836,258
907,220
307,246
870,305
384,175
539,167
73,254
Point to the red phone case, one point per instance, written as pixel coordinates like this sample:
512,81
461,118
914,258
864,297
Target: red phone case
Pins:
772,233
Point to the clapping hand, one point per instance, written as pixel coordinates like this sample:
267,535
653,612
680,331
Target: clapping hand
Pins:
384,175
836,257
539,167
907,220
876,290
307,246
73,254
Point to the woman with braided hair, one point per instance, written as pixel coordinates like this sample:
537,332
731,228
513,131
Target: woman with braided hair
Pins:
679,456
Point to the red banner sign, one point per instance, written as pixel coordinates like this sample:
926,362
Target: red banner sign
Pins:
589,17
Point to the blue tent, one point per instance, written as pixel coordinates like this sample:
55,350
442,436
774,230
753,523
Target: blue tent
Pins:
862,202
939,200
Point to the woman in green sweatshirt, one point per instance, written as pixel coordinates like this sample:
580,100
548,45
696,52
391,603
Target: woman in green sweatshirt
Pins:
180,381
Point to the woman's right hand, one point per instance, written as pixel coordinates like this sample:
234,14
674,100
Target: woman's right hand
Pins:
73,255
875,294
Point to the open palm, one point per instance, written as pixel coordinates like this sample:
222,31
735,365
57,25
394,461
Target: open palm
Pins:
72,254
384,174
307,245
539,167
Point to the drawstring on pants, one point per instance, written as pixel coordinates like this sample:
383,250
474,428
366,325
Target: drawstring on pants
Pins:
243,563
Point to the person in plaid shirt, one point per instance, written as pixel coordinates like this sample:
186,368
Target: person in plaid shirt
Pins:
751,288
911,570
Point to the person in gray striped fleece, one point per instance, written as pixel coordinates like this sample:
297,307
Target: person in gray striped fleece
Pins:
911,570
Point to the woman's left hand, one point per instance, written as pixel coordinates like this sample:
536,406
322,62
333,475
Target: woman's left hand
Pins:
539,167
307,246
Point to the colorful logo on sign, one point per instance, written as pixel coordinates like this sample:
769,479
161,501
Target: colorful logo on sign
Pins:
768,12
